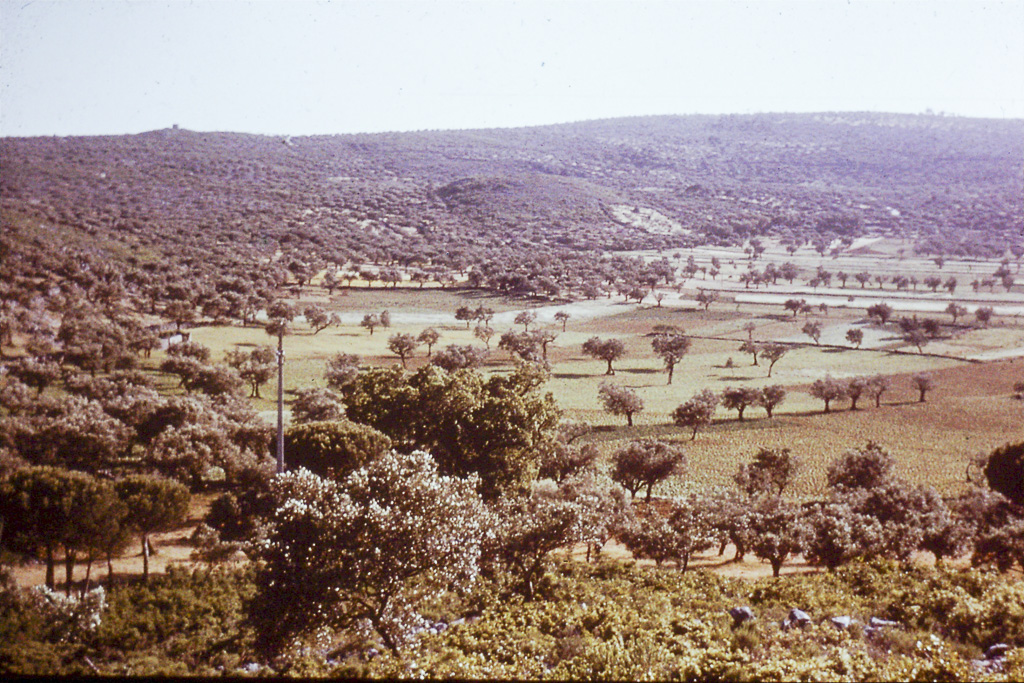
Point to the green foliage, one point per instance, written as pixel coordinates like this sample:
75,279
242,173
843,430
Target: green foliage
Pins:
697,412
46,508
491,427
333,449
363,553
153,504
771,471
620,401
1004,471
861,468
645,463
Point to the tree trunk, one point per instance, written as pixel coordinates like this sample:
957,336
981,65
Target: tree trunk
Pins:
69,570
610,371
145,557
50,567
671,370
629,419
88,575
776,567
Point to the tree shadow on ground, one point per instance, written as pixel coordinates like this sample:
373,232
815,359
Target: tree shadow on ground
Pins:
736,378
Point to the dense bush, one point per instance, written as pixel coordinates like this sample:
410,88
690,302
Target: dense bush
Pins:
333,448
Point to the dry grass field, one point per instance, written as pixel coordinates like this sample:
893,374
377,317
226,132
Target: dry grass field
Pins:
970,410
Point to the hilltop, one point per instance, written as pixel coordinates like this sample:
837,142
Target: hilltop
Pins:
459,197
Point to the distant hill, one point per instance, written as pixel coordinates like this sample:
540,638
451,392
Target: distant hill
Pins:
653,182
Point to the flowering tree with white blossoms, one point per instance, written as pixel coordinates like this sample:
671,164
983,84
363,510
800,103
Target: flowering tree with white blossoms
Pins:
362,552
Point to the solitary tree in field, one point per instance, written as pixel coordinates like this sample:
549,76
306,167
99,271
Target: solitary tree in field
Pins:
526,318
924,383
370,321
696,412
738,398
877,386
882,311
794,305
465,313
429,336
255,366
771,397
855,336
706,298
773,353
484,334
402,345
319,319
620,401
562,317
771,472
828,389
955,310
813,330
521,344
608,350
855,388
983,315
543,338
751,347
483,315
646,463
671,348
917,337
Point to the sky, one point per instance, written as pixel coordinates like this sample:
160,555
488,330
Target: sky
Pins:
300,67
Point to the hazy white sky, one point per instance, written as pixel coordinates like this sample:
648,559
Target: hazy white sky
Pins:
302,67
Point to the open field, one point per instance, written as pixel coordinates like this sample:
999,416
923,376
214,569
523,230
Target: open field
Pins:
970,411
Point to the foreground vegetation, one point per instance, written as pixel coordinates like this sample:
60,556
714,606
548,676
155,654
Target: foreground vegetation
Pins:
606,620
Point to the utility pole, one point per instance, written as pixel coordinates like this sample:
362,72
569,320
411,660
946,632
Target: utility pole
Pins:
280,403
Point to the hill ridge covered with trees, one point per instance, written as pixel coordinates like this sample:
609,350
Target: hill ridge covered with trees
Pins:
454,198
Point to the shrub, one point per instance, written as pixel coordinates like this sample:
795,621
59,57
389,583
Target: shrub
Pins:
333,448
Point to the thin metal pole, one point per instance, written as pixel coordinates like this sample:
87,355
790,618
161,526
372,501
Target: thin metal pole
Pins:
280,404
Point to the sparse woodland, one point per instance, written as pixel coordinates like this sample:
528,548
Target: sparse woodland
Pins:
545,387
